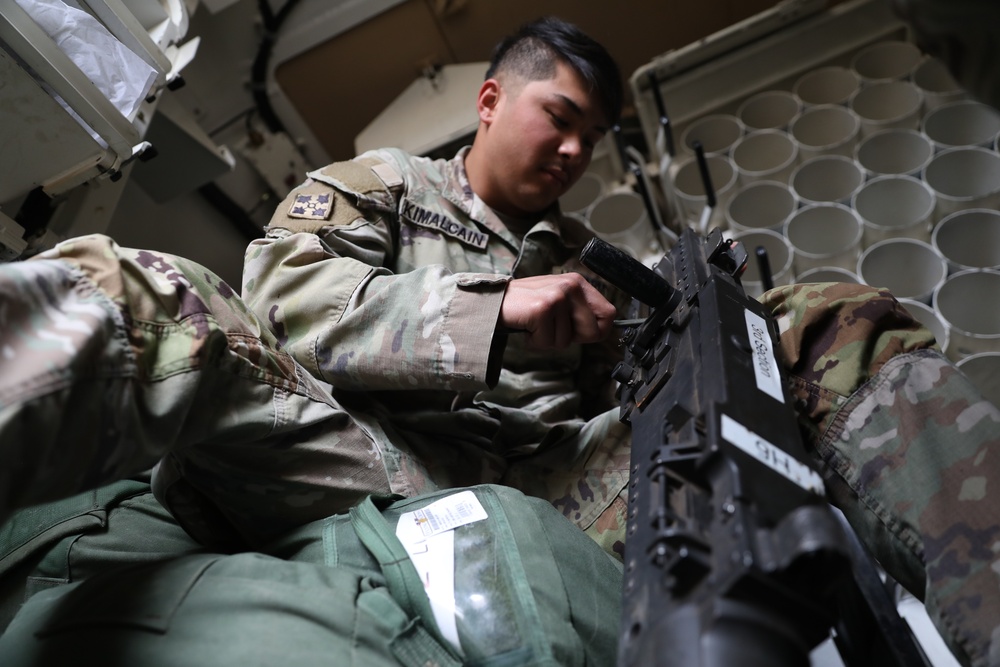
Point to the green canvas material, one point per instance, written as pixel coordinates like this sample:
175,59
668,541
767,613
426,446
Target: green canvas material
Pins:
337,591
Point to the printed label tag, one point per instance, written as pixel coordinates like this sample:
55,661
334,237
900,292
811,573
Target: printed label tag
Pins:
774,457
428,536
448,513
765,365
434,560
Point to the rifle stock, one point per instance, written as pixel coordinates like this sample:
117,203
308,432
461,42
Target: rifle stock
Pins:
733,556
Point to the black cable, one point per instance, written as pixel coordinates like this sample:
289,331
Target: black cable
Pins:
241,116
661,110
764,267
706,176
258,72
211,192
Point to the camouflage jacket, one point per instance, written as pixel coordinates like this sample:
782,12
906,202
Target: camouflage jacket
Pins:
115,357
384,276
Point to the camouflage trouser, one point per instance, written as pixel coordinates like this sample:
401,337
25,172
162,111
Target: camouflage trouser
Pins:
118,359
904,442
114,358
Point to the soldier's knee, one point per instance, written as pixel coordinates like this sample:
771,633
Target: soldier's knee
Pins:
842,330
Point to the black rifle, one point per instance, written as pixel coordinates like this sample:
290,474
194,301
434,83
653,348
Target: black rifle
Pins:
733,556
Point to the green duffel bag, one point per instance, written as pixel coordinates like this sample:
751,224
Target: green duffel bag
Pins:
72,539
481,576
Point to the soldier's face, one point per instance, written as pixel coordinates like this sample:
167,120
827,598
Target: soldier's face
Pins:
541,138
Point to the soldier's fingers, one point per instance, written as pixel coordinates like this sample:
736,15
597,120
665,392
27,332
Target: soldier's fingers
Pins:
556,310
594,315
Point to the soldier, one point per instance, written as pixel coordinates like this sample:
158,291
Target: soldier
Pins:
394,278
413,324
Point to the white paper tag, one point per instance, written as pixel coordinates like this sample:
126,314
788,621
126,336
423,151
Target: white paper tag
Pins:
449,513
434,560
774,457
765,365
428,536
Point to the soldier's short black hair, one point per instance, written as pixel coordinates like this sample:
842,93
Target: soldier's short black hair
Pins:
533,51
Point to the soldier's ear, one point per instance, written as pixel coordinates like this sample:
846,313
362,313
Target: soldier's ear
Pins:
489,100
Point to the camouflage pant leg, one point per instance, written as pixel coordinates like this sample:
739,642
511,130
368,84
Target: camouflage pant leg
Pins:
585,475
112,357
907,446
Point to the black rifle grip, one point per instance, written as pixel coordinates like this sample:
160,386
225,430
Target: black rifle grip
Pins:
626,273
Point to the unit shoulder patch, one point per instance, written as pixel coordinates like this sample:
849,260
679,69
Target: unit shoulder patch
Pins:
311,206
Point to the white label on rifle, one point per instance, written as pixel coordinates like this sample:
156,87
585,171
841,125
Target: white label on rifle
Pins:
765,366
774,457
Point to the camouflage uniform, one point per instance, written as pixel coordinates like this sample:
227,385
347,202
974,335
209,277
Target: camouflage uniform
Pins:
384,277
141,354
864,371
904,442
113,357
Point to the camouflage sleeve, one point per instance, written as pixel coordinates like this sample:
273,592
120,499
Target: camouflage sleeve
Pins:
906,444
322,286
111,357
360,327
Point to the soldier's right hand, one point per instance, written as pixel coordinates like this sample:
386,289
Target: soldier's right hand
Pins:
555,311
